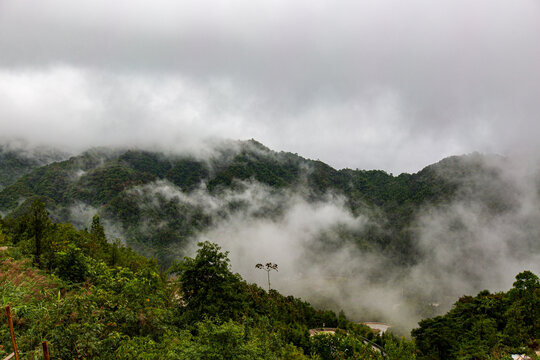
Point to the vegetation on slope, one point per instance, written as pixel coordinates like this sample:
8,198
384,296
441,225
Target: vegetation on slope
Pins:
119,184
485,326
14,163
151,196
92,299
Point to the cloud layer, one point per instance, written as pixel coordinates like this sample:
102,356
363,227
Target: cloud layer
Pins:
363,84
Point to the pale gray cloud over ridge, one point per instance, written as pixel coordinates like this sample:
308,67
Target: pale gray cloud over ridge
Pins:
369,84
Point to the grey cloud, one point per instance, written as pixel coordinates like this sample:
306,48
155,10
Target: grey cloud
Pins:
462,75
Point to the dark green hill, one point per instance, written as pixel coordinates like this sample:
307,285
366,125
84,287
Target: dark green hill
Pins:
485,326
96,299
86,295
151,195
15,163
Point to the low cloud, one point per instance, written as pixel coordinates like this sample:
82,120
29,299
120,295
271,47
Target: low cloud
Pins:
480,238
477,240
471,243
362,85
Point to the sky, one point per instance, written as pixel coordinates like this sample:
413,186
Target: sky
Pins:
368,84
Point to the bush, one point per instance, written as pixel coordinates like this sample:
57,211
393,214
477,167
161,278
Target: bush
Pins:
71,264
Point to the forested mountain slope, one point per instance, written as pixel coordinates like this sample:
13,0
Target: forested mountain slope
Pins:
381,247
92,298
16,162
150,195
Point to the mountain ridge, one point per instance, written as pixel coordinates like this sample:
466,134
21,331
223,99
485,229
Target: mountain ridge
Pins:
330,229
105,179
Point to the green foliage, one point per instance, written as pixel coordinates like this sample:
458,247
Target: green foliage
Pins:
71,264
3,238
207,285
88,306
100,185
96,229
99,298
13,165
479,327
343,346
30,293
227,341
401,349
38,225
188,173
146,162
113,182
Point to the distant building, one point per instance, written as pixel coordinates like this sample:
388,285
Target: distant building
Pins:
520,357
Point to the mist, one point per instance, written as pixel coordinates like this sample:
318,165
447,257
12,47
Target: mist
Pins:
480,239
382,85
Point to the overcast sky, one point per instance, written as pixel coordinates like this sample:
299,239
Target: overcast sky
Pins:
388,84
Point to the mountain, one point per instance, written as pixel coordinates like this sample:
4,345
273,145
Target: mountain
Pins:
156,200
82,294
90,298
384,243
396,249
16,162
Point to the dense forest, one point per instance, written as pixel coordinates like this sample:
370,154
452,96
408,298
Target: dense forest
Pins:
92,247
126,188
90,298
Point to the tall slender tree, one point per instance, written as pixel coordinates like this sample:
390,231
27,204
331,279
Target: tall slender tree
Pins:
39,223
96,228
268,267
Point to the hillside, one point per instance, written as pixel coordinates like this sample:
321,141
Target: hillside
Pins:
486,326
128,188
16,161
91,298
380,247
331,231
